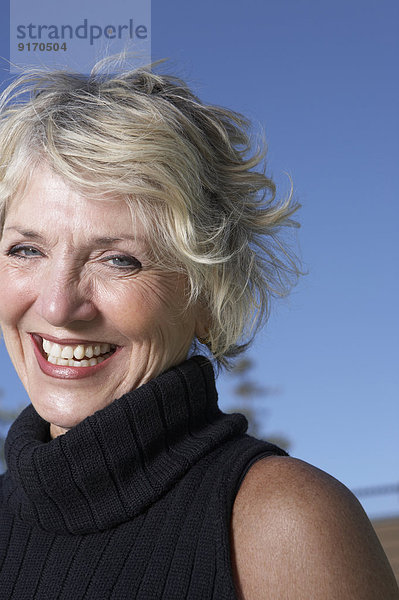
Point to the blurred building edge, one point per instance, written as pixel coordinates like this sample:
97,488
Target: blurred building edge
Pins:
388,533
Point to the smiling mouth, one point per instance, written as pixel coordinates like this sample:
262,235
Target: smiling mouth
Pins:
75,355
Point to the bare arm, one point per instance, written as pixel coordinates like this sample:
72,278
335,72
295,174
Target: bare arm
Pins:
299,534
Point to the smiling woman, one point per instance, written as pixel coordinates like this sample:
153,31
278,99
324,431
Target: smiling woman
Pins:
139,250
84,310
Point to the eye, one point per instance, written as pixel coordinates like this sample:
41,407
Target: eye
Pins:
122,261
24,251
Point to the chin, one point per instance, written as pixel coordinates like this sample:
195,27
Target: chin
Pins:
67,412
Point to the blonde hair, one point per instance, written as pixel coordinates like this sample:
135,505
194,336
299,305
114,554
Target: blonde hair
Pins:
186,169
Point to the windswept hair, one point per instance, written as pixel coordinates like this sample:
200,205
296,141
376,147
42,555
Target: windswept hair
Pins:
188,170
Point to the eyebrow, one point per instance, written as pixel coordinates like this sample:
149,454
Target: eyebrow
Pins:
104,240
25,232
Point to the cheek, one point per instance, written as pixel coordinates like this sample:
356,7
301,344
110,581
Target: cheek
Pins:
14,297
144,309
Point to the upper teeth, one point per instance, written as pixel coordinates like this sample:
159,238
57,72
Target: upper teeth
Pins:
77,352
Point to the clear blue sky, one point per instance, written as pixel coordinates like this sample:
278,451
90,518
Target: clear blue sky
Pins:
322,78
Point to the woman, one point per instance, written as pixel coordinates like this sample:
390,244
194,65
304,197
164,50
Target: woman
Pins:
136,238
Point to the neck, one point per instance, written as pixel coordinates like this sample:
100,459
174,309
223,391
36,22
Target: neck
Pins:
56,430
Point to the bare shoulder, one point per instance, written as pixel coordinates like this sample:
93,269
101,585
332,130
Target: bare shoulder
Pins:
298,533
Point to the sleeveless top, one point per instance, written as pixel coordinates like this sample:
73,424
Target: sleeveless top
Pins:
134,502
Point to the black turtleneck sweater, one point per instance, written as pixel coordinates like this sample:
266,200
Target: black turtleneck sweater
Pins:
132,503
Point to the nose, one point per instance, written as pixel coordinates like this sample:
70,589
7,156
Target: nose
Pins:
64,299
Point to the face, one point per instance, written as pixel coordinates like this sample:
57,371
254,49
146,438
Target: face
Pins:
86,316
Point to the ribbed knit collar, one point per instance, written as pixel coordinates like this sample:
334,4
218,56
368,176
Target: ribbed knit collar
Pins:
120,460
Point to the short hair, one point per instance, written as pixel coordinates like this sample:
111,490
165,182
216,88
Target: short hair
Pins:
192,172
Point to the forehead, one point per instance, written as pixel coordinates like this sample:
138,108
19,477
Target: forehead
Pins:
50,204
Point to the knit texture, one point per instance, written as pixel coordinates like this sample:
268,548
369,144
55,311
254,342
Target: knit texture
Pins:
132,503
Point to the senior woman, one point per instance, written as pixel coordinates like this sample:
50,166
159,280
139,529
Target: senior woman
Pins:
139,248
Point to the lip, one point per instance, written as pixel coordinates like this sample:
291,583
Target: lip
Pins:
61,372
66,341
